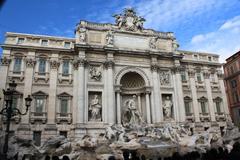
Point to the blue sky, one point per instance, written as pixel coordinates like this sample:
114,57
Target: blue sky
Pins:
199,25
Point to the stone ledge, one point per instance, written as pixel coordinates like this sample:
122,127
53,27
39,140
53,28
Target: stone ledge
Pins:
51,127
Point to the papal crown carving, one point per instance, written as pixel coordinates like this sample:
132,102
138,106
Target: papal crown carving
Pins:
129,20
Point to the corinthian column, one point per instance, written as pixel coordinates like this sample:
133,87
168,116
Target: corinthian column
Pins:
51,110
110,92
191,74
157,112
209,95
81,90
30,63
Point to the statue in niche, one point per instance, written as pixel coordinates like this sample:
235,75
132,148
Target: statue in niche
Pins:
95,73
167,108
131,114
95,109
82,35
109,38
164,78
152,42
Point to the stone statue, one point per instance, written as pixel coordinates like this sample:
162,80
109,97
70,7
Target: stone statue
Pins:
82,35
152,42
95,73
164,78
132,115
119,20
109,38
139,23
95,109
167,108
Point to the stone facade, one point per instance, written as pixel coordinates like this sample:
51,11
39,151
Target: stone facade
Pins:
82,85
232,81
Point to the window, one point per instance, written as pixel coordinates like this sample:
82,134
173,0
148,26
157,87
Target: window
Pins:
44,42
231,69
63,133
209,58
20,40
42,66
199,77
187,107
37,137
187,104
65,68
17,65
235,96
39,104
203,105
212,77
195,56
183,75
64,106
233,83
67,44
218,106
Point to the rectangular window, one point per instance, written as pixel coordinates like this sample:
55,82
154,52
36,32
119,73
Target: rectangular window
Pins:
17,65
44,42
199,78
64,106
209,58
187,108
39,104
183,76
20,40
212,77
63,133
235,97
42,66
233,83
37,137
65,68
203,107
67,45
218,106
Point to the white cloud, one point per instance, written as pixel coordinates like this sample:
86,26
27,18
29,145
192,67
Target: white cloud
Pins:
224,41
167,13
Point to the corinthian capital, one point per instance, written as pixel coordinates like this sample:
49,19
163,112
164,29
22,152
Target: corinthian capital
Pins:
109,63
5,61
154,67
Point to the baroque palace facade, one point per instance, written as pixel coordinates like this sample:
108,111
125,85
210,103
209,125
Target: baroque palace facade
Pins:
107,72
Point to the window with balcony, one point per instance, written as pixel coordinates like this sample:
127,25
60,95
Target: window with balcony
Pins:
65,68
64,109
38,112
42,66
218,104
17,65
20,40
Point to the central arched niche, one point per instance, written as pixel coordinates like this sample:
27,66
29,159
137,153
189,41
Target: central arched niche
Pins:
133,88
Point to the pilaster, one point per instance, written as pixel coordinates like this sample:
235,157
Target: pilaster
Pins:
30,63
110,89
206,75
81,88
191,74
157,111
54,64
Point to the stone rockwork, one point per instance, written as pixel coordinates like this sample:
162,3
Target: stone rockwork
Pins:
147,140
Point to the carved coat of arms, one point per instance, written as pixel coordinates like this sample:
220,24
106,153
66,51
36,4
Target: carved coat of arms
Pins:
129,20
